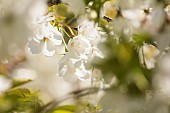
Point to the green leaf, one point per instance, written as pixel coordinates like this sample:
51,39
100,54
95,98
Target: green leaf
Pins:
62,111
141,38
65,109
17,83
23,100
61,10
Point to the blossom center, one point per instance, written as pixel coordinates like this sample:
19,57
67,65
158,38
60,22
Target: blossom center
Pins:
45,39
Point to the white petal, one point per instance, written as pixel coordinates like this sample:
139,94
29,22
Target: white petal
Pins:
78,63
70,77
35,47
62,69
150,63
150,54
55,41
82,74
47,52
141,56
79,46
89,30
80,70
147,55
55,30
133,14
60,49
38,37
67,70
50,45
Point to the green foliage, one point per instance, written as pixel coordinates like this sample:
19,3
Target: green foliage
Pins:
84,107
16,83
19,100
65,109
62,13
96,6
123,62
160,1
141,38
61,10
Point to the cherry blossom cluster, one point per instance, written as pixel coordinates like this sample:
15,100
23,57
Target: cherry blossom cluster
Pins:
82,48
79,52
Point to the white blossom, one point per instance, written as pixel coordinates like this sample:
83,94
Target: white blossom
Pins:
147,55
67,69
79,47
134,16
47,18
73,69
89,30
96,52
45,40
82,49
109,10
81,72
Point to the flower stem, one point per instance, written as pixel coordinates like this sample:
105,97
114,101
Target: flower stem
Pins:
64,40
70,29
66,33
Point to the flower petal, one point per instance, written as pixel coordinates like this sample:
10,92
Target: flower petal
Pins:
70,77
50,45
35,47
82,74
48,50
55,41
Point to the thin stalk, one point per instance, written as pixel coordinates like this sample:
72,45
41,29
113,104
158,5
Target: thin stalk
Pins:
70,29
64,40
